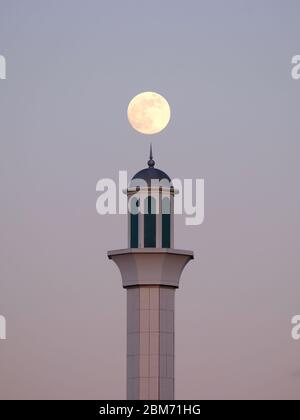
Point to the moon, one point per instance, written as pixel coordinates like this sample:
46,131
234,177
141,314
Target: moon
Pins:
148,112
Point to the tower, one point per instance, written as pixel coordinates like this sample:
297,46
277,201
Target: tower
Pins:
150,268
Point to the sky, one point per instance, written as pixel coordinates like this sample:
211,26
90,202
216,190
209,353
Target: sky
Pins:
225,69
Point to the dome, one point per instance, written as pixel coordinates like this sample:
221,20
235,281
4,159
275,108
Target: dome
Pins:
148,174
151,173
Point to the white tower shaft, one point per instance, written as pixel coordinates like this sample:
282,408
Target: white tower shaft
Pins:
150,342
151,276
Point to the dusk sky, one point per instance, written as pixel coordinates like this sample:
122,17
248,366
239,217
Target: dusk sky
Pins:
225,68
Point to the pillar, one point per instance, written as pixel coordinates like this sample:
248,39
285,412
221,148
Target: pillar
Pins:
150,342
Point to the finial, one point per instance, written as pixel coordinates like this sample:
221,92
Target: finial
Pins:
151,162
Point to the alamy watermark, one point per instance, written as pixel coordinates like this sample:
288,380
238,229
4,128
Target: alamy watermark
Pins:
2,328
295,72
2,67
296,327
188,198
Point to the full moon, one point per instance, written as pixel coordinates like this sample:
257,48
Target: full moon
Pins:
148,112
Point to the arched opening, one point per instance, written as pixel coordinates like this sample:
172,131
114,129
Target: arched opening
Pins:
134,223
166,223
150,223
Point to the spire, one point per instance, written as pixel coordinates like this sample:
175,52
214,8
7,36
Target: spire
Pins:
151,162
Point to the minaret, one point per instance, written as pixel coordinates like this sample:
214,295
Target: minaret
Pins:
151,268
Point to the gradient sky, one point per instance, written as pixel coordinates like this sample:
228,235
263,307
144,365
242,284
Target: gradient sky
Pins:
224,67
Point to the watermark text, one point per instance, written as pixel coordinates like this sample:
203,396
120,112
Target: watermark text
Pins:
2,67
295,73
188,197
2,328
296,328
